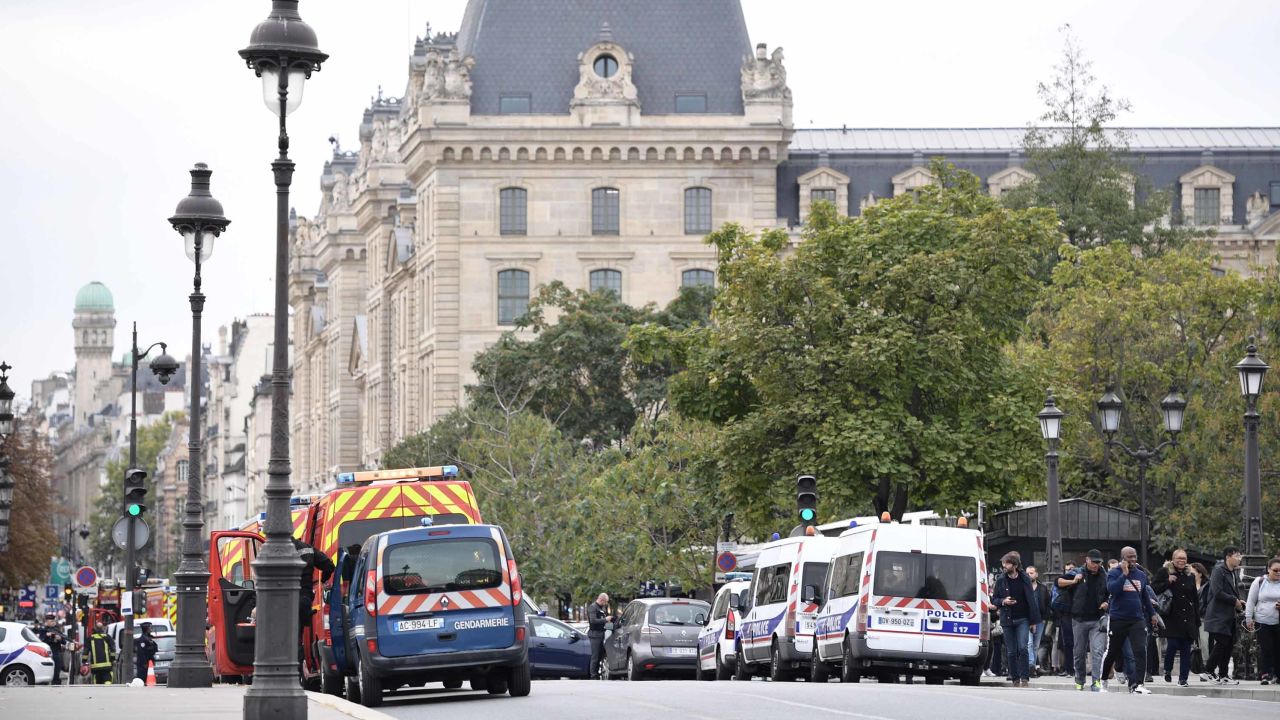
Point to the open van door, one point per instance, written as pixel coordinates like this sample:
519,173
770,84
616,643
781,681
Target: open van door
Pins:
336,627
232,597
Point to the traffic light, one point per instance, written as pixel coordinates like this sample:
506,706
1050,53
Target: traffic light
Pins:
807,500
135,492
68,592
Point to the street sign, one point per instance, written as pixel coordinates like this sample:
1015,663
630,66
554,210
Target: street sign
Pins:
726,562
59,571
27,597
141,533
86,577
52,592
722,547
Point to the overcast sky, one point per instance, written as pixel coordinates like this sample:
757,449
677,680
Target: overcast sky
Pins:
107,104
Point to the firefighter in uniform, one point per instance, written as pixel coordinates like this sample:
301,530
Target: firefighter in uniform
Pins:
102,655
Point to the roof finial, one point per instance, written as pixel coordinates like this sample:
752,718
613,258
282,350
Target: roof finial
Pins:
606,35
379,94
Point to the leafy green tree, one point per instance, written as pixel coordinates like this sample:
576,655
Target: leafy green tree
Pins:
31,531
151,440
872,355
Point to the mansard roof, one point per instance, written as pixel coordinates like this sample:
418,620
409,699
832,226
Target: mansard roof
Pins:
530,47
996,139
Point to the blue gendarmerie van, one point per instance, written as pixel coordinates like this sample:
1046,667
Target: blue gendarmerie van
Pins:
438,603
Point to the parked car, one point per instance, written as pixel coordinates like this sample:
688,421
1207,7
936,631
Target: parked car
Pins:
717,641
656,635
556,650
24,660
166,643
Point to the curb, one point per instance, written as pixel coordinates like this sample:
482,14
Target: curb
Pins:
346,707
1233,693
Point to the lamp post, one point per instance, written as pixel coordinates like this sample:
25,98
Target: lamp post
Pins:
163,367
283,52
1174,408
1050,429
6,429
199,219
1252,369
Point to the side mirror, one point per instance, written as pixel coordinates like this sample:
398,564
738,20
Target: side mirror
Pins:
811,595
700,619
574,637
738,601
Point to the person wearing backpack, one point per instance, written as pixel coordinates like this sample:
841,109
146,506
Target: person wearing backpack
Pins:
1262,614
1088,608
1181,614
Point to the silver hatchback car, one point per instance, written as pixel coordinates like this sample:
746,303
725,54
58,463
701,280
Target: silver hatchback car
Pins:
656,636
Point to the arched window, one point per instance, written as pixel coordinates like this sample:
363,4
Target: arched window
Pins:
697,211
513,295
513,211
605,66
608,280
697,278
604,211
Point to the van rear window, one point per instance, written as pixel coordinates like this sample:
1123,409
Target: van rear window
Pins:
936,577
356,532
441,566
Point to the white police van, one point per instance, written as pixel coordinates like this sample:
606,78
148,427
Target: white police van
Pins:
775,635
717,641
904,599
438,603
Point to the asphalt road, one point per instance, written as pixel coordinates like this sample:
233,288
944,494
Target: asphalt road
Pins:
586,700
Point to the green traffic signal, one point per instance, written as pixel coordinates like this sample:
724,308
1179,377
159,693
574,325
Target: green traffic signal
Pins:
133,509
807,514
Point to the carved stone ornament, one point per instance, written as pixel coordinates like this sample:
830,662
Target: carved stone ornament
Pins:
593,89
866,202
446,77
764,77
1256,207
340,196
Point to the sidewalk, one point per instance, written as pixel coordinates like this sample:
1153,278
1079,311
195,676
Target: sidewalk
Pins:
1246,690
109,702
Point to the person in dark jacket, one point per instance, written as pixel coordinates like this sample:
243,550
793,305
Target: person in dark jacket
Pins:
1088,606
597,617
1128,615
51,634
101,655
1220,616
1182,621
1041,591
1019,615
144,651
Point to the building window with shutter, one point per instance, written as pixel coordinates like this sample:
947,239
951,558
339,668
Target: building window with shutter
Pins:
607,280
604,211
822,194
513,295
697,278
697,211
513,211
1208,208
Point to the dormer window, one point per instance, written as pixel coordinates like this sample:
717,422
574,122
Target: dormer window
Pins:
690,103
606,66
515,104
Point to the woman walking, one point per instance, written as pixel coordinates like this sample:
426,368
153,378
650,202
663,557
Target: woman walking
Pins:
1182,621
1262,613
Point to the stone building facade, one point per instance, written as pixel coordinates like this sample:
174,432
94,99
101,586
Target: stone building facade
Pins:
243,357
596,143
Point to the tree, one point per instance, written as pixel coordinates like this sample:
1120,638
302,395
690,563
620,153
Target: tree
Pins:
1082,165
107,507
32,537
872,355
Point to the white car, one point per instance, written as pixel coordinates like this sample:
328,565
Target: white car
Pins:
24,660
158,625
717,641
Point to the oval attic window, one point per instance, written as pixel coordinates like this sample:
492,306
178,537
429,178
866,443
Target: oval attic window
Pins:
606,66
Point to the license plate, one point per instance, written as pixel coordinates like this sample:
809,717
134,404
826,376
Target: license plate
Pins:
806,627
683,651
421,624
892,621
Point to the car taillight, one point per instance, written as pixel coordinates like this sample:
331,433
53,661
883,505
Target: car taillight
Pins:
650,630
520,634
372,644
517,594
40,650
860,623
730,626
371,592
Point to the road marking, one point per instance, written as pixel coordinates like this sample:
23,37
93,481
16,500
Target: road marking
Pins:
807,706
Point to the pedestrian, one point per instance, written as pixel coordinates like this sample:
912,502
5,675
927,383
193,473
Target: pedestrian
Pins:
144,651
995,666
1223,600
1262,614
1128,616
312,559
1182,619
1061,606
1040,592
102,655
1019,615
51,634
1089,603
598,616
1201,574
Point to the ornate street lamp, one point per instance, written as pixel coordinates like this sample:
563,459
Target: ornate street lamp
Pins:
1050,429
163,367
199,219
1174,408
283,52
1252,369
6,402
6,429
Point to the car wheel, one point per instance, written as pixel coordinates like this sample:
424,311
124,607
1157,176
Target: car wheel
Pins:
330,681
602,671
848,666
633,671
778,672
497,684
819,672
933,679
18,676
352,688
370,686
741,670
971,678
479,682
453,684
722,671
519,683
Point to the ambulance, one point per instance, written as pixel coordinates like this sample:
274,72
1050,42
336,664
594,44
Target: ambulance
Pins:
775,633
904,599
363,504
